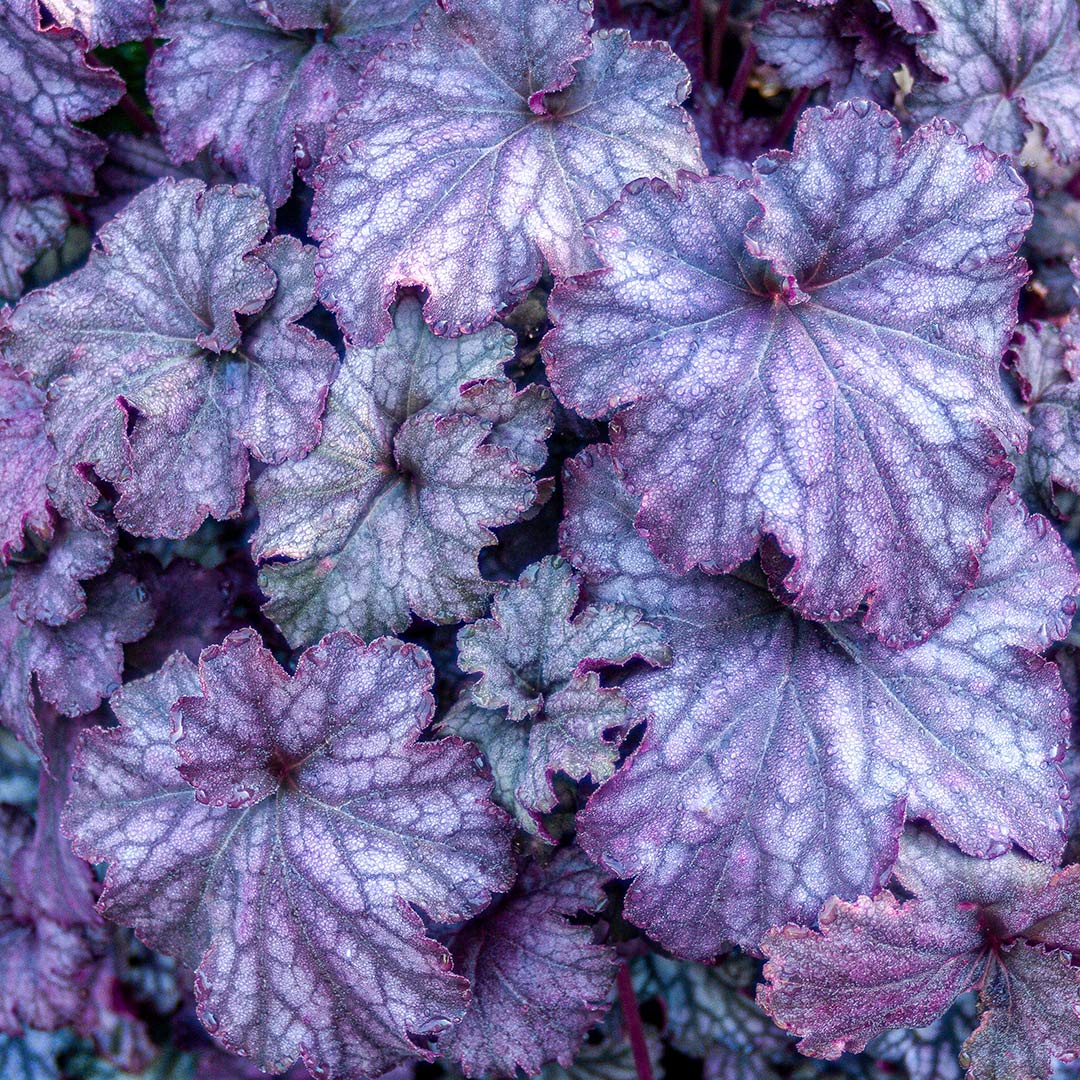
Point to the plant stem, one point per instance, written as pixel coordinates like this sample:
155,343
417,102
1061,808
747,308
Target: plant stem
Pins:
635,1032
716,42
789,116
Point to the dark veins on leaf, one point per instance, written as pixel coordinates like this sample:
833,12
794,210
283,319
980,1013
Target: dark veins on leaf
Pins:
257,83
812,358
781,755
277,832
474,155
154,383
539,708
426,445
1007,927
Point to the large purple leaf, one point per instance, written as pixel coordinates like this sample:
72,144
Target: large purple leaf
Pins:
287,868
258,83
27,228
25,459
156,386
880,963
539,708
781,754
838,388
45,84
424,447
74,665
1007,66
538,982
474,155
105,22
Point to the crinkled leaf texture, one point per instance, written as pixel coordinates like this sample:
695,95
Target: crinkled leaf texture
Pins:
1007,66
105,22
538,982
781,754
539,708
25,459
155,386
473,156
45,85
278,833
425,446
258,83
813,358
931,1052
45,963
27,228
1008,926
74,665
1045,358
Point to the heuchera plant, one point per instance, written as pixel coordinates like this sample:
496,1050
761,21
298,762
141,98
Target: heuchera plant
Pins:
538,539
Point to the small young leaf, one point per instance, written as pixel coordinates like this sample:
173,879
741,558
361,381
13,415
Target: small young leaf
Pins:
474,154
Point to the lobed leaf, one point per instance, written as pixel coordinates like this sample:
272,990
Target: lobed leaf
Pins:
278,833
781,755
27,228
105,22
473,155
814,359
1007,67
154,383
257,84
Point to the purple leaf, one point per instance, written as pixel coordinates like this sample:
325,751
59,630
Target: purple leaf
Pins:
538,708
706,1006
31,1056
288,872
781,754
49,590
76,665
837,389
45,967
388,513
1045,358
534,644
1007,67
881,963
474,155
932,1052
105,22
26,230
678,24
156,385
25,459
538,982
45,84
235,79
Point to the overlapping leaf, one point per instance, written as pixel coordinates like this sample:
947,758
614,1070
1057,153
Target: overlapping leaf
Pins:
1006,926
539,708
73,666
781,754
281,844
1045,359
27,228
45,85
538,983
156,387
474,155
424,448
1006,66
814,358
258,83
25,459
105,22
